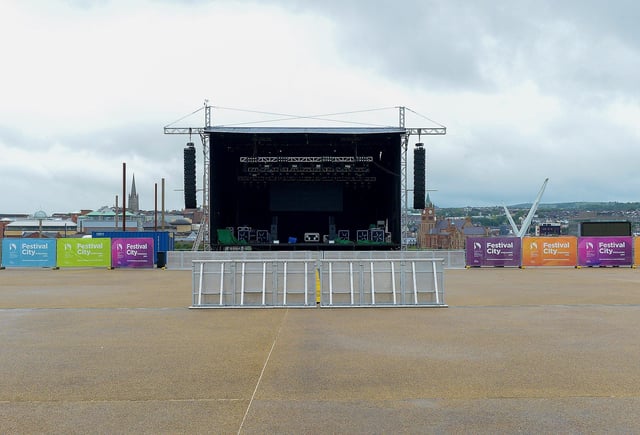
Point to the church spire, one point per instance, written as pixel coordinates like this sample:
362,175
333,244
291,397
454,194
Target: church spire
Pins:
428,202
134,201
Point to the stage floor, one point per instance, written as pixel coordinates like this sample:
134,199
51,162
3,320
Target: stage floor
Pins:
115,351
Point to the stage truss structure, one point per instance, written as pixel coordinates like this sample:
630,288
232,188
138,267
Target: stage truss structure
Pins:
203,240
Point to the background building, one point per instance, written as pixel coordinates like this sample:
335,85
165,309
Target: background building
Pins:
449,233
40,227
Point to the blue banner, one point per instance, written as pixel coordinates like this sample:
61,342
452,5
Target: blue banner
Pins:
28,252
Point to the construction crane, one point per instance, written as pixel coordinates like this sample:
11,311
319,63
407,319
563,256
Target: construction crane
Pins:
203,236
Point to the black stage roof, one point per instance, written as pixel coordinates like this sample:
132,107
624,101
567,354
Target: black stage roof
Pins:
302,130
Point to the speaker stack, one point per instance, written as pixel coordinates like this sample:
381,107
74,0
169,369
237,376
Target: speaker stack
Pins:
419,177
190,176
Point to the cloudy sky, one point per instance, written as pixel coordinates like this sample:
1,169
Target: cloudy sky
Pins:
526,89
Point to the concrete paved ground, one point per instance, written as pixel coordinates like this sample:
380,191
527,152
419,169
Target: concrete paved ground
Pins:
118,351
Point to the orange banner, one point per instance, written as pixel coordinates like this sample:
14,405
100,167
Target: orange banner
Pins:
636,251
550,251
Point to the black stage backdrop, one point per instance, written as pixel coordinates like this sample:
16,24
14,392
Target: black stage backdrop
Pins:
305,181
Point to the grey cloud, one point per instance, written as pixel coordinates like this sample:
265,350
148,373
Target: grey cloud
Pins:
584,54
41,184
454,44
24,140
433,43
129,141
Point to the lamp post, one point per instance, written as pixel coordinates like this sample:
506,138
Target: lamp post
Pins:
40,215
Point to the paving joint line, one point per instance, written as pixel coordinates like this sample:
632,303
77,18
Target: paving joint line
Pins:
9,402
255,390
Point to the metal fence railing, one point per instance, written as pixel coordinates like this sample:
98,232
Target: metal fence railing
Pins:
382,282
182,260
263,283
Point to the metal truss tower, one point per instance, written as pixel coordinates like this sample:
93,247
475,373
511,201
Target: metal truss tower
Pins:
404,195
404,220
204,234
203,237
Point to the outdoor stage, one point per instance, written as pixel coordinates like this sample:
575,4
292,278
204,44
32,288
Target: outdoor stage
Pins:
272,188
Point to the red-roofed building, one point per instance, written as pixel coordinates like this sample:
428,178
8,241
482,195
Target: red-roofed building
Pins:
447,233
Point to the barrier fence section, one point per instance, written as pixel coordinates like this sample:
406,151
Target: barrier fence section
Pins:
254,283
382,282
263,283
182,260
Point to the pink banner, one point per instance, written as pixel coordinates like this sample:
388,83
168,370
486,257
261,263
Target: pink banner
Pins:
605,251
132,252
493,251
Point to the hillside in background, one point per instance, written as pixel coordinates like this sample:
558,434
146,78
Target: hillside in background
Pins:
570,213
584,206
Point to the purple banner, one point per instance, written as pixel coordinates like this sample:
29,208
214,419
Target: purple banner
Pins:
493,251
605,251
132,252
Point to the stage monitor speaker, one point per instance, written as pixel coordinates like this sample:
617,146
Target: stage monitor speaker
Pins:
244,234
419,176
262,236
377,235
312,237
190,176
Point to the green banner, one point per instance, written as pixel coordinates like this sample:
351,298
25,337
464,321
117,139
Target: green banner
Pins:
84,253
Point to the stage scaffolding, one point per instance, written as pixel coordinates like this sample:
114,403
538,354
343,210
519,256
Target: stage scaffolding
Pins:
203,239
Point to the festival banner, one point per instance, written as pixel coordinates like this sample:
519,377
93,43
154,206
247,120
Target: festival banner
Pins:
636,251
28,252
550,251
132,252
84,253
605,251
493,251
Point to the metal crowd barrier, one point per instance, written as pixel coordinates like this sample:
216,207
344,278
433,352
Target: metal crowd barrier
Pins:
265,283
182,260
254,283
382,282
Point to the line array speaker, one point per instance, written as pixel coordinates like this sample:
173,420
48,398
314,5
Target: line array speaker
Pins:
419,177
190,176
